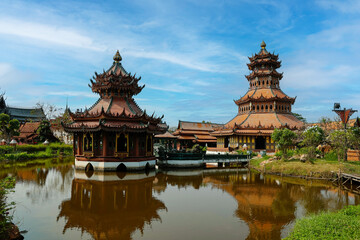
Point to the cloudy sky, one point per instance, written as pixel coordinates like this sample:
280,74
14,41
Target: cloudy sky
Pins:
190,54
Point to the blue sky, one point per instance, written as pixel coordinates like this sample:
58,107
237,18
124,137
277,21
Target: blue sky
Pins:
191,55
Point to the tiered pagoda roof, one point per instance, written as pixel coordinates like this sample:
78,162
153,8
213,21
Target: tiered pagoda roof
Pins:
265,106
116,109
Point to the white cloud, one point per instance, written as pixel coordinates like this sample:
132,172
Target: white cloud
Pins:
88,94
345,6
47,33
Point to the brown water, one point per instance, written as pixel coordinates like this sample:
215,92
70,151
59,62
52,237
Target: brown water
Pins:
61,203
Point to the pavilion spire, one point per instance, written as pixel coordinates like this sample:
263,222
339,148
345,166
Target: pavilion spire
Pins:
263,45
117,57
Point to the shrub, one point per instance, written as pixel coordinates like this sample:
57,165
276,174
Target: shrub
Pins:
284,138
343,224
312,137
6,186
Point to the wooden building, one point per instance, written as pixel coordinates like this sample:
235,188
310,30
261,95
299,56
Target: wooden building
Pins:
262,109
22,114
190,133
114,133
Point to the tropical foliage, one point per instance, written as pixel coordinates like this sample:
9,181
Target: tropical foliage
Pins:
8,127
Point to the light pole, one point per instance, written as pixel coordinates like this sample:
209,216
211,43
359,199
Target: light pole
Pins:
344,115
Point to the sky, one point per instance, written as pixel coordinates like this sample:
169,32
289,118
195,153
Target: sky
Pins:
191,55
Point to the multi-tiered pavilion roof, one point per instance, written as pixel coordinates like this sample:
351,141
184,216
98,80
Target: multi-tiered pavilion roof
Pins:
116,109
264,106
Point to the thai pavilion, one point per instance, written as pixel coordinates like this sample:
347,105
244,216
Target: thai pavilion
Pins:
262,109
114,133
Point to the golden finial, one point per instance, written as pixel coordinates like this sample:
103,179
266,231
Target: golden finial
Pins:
117,58
263,45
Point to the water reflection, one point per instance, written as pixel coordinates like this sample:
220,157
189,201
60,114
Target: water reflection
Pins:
109,207
120,206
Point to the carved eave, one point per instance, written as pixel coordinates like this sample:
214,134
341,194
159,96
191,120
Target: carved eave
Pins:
265,99
272,73
113,82
86,116
274,63
115,127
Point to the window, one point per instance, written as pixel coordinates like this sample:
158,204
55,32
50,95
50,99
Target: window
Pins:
88,142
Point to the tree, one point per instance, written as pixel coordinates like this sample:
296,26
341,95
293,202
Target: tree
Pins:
8,127
50,110
284,138
300,117
338,140
45,132
354,137
312,137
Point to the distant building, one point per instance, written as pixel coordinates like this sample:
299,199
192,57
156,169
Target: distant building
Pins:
191,133
262,109
22,114
28,133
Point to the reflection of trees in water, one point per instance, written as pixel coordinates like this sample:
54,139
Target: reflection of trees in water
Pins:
46,182
283,204
110,210
312,199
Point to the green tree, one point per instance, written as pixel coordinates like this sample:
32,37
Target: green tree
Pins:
300,117
8,127
284,138
45,132
354,137
312,137
338,140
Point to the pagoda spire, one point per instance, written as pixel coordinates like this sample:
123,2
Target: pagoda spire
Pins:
263,45
117,57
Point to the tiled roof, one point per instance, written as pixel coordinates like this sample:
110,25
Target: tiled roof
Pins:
166,135
28,128
23,114
264,93
186,138
205,137
184,125
116,105
266,120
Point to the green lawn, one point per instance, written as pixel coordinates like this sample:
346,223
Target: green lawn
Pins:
319,168
341,225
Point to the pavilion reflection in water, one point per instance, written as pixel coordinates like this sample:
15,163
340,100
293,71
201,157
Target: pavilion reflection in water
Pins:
266,204
262,203
109,206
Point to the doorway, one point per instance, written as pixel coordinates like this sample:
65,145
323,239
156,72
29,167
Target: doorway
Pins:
260,142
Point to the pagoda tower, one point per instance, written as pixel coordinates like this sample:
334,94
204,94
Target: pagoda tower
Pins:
262,109
114,133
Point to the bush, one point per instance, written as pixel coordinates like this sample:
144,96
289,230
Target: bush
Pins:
343,224
331,156
6,186
27,151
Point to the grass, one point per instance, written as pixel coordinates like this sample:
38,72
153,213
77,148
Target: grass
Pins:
30,152
344,224
318,168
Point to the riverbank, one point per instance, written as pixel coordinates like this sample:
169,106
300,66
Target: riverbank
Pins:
317,169
343,224
26,152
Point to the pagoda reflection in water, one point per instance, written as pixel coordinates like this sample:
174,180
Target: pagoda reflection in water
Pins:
109,207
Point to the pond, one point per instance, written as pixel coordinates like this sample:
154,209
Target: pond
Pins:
221,203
